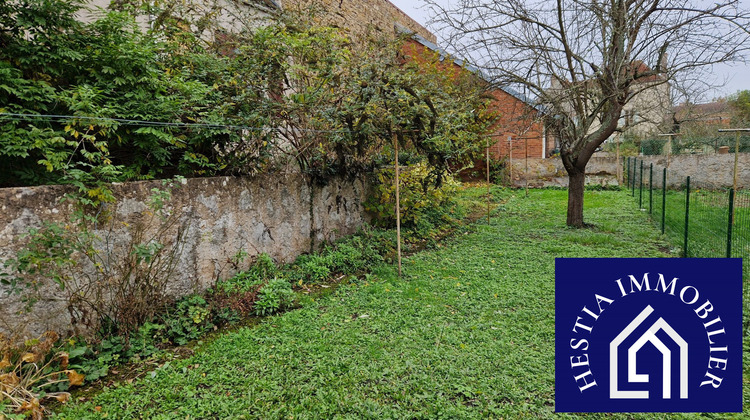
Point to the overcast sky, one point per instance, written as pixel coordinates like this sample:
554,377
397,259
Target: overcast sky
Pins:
738,76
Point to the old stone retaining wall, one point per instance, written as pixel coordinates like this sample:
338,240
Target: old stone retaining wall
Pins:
280,215
705,171
540,173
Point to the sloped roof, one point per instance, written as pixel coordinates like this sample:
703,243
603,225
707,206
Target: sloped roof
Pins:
272,3
639,68
710,110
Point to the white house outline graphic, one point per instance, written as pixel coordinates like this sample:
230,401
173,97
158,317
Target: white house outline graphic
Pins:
648,337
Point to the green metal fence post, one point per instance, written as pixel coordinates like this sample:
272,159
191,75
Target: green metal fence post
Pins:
640,189
730,223
635,162
628,184
650,188
663,198
687,217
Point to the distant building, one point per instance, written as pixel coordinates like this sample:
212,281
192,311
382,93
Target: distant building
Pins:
519,131
717,114
649,110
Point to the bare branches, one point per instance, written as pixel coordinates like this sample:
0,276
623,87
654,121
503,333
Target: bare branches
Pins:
587,60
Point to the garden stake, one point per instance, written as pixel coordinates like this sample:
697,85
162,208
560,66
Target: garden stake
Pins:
640,189
687,216
488,181
651,188
663,199
737,132
510,161
398,209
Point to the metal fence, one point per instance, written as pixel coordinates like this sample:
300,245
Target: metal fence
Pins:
703,220
687,145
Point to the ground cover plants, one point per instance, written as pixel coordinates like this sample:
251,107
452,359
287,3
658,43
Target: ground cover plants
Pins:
467,332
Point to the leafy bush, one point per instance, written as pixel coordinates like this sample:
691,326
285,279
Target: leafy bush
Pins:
233,298
420,193
190,320
353,254
311,269
275,296
653,146
499,170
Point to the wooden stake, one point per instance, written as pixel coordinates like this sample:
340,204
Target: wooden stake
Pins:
488,180
510,161
526,169
398,208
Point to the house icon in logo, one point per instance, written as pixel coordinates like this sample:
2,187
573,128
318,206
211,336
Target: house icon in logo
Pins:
632,372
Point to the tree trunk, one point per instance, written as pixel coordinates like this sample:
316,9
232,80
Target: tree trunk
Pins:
576,181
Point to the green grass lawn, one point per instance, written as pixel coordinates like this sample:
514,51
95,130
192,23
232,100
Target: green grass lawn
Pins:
468,332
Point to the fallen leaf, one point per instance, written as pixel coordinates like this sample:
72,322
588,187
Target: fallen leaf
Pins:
9,381
5,362
64,359
75,378
62,397
29,357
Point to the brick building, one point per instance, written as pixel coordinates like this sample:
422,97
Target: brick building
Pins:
519,132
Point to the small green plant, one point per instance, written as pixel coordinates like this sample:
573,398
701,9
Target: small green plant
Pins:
189,321
499,170
311,269
275,296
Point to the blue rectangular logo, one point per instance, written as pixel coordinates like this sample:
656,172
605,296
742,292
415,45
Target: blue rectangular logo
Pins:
648,335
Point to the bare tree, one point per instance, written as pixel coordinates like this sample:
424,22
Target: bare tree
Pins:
584,60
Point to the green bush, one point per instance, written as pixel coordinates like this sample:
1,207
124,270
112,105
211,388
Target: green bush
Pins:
420,194
190,320
499,170
311,269
274,297
260,272
353,254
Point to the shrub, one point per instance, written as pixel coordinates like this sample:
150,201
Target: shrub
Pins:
353,254
499,170
275,296
419,192
189,321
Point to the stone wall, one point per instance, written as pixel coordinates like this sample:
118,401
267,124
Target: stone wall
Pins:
275,214
362,17
705,171
539,173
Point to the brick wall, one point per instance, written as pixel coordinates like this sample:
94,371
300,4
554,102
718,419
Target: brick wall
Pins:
519,121
516,118
362,16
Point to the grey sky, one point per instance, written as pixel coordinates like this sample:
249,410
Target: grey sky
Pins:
737,76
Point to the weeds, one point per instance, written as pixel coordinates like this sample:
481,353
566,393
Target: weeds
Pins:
33,373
